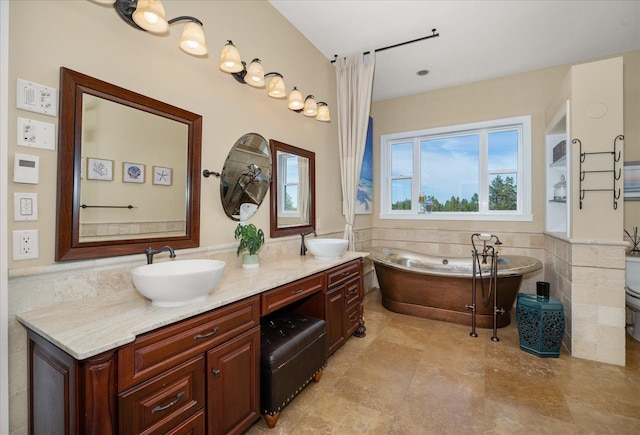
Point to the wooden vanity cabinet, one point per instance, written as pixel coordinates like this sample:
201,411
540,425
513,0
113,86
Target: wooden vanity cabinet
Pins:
196,376
170,380
343,303
189,367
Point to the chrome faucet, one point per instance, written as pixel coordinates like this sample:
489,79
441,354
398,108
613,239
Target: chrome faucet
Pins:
303,248
150,252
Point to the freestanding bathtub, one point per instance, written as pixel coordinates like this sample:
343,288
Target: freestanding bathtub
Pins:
439,288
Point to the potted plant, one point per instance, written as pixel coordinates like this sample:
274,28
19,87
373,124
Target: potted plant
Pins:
251,239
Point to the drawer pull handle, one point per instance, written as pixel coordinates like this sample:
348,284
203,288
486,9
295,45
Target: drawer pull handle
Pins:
168,405
345,273
216,373
295,292
353,318
208,334
353,292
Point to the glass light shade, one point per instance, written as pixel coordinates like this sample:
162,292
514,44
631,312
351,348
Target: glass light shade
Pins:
277,88
295,99
192,39
149,15
255,74
230,59
323,113
310,106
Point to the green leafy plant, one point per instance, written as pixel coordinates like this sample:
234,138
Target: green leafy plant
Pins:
251,238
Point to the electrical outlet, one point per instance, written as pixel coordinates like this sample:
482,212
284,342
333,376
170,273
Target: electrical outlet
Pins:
25,245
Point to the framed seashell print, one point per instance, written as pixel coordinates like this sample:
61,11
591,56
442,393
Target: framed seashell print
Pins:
132,172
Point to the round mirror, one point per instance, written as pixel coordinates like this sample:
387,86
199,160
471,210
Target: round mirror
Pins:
245,177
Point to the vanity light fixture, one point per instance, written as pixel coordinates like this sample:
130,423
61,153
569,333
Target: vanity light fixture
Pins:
295,100
276,85
149,15
254,75
323,112
230,61
310,106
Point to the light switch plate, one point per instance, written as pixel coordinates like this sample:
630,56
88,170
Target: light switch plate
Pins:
25,206
36,134
26,168
36,98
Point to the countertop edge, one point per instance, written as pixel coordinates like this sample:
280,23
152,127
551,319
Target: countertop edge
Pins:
89,327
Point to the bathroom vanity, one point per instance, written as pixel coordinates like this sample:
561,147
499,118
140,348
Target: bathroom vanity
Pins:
119,365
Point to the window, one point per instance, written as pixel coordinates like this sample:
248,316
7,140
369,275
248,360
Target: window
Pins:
464,172
288,183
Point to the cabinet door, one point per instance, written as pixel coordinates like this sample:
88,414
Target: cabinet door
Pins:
232,384
334,312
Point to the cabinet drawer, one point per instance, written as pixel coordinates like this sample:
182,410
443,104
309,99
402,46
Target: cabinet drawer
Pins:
352,292
164,402
194,425
342,273
157,351
277,298
351,320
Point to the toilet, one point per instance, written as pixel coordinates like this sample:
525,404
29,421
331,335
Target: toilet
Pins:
632,290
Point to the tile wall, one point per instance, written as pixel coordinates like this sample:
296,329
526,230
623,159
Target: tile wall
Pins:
589,278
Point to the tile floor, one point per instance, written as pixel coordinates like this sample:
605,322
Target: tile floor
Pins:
415,376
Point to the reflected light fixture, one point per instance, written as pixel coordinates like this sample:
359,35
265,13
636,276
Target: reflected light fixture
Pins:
254,75
149,15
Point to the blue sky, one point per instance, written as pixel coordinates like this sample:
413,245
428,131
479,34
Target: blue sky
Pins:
449,165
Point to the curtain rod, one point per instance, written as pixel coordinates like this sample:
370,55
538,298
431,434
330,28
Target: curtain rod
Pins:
433,35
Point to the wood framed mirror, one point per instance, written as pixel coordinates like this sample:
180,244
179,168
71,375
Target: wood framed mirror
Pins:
293,189
128,171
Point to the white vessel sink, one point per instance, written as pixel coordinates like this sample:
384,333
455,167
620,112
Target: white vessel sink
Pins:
178,282
326,249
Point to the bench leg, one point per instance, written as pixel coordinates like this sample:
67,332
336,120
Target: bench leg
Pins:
317,377
271,419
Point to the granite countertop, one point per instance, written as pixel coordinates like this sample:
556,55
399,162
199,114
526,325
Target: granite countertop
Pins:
88,327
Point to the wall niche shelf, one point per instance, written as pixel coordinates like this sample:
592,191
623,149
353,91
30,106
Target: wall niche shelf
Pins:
558,167
614,170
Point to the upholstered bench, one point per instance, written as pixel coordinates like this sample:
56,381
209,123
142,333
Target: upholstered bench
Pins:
293,352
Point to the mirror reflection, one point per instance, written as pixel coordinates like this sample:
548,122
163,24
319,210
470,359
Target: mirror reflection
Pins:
125,188
128,171
245,177
292,196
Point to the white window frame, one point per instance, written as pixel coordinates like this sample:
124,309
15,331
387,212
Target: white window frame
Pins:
523,212
282,184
